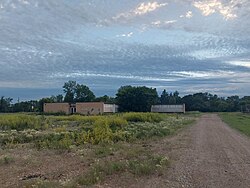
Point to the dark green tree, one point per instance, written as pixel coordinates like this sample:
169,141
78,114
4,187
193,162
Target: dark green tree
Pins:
77,92
26,106
69,89
106,99
5,104
164,97
136,99
83,94
234,103
59,98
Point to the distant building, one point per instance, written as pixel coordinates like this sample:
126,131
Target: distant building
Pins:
168,108
85,108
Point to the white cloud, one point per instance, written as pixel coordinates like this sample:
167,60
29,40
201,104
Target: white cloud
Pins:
240,63
109,75
189,14
125,35
209,7
24,2
145,8
157,23
141,9
203,74
163,23
170,21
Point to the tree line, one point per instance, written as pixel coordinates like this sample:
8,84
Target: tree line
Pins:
131,98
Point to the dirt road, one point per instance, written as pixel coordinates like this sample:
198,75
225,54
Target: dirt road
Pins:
216,156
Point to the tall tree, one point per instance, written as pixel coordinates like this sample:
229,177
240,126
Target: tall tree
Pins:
83,94
234,103
77,92
106,99
164,97
137,99
69,89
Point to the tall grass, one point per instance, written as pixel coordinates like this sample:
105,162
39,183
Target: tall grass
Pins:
20,122
62,132
143,117
78,118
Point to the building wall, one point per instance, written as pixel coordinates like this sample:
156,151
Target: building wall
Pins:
56,107
168,108
90,108
110,108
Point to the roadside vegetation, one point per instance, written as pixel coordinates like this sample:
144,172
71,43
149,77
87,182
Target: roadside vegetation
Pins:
108,145
238,121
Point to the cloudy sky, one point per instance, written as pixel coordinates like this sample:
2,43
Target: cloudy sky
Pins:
185,45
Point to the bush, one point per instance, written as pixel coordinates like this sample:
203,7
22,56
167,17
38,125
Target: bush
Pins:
102,133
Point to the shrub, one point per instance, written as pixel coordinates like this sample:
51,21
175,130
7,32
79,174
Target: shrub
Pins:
102,132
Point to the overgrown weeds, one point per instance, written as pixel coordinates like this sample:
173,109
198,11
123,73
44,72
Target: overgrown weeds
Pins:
20,122
148,165
143,117
49,132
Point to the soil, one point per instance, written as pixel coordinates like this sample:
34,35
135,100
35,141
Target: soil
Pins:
207,154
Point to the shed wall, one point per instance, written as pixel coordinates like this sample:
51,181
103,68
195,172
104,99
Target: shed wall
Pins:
110,108
168,108
90,108
56,107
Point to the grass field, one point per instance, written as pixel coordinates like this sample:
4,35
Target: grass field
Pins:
76,150
238,121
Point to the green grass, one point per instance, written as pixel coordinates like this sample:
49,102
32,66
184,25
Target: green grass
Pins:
238,121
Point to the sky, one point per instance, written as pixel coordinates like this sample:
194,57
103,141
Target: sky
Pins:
185,45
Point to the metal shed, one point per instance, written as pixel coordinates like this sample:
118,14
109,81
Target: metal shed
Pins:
168,108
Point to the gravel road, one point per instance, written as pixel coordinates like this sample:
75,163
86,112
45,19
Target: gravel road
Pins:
218,156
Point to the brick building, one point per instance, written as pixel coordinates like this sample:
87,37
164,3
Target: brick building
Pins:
85,108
